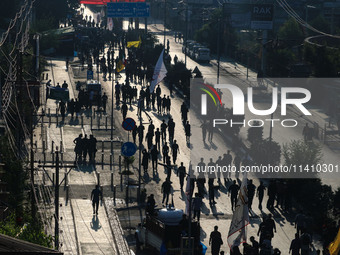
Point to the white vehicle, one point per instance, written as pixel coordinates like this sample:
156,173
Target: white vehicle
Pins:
203,55
194,50
164,231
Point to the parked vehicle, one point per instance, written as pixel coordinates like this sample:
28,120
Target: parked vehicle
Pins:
202,55
183,47
165,233
194,50
94,87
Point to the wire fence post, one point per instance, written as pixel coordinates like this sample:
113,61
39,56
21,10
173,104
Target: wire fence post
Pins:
49,116
114,195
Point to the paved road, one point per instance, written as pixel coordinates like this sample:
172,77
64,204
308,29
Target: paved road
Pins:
221,214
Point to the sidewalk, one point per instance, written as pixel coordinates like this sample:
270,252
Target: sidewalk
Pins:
81,232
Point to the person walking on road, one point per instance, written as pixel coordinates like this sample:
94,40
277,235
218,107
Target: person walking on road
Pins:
158,139
187,132
62,109
260,193
77,148
163,130
271,195
227,160
174,150
204,130
251,193
71,107
165,151
181,174
171,129
196,206
233,191
95,195
124,110
237,164
184,112
154,158
166,189
215,241
104,102
92,149
85,147
145,161
300,222
295,245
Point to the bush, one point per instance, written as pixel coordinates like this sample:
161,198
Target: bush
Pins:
255,134
266,152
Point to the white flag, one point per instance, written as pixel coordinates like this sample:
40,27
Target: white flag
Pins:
237,231
109,24
159,72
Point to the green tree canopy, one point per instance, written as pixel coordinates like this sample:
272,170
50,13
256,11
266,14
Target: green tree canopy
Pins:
291,32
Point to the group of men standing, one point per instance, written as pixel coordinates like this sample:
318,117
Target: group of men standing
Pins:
85,147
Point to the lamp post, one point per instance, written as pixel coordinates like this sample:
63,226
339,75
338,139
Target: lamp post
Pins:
306,18
220,27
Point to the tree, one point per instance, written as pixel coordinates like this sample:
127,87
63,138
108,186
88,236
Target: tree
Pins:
291,32
15,176
255,133
298,152
309,193
266,152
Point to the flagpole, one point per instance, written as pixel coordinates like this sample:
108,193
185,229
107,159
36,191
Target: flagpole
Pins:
113,81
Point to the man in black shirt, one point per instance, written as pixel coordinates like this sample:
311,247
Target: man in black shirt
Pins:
251,192
158,139
233,191
215,241
154,158
166,189
95,194
175,150
181,174
163,130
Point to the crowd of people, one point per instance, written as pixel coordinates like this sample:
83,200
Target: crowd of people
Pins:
162,149
85,148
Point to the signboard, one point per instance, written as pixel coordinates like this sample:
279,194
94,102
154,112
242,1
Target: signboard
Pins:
129,124
58,93
250,16
89,74
128,10
262,16
128,149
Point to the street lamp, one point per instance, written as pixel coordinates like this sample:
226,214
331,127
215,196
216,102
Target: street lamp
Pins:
186,31
307,7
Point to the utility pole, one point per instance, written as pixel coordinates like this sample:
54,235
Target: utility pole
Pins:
113,83
220,27
139,150
56,200
263,59
164,21
186,34
218,51
33,208
0,98
270,139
